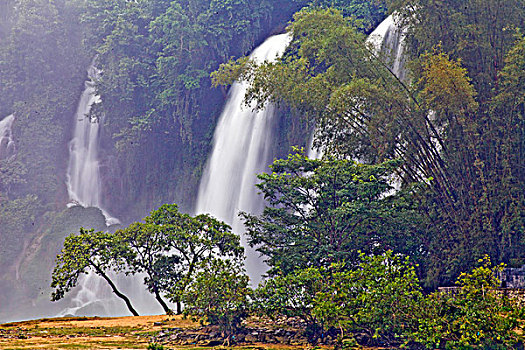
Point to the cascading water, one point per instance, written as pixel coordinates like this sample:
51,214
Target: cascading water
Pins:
84,183
241,149
83,174
313,152
7,144
389,42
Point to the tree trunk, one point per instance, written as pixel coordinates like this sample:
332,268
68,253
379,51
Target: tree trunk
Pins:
162,303
115,290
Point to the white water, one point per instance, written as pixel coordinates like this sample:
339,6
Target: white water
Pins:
313,152
241,149
388,40
7,144
84,186
84,183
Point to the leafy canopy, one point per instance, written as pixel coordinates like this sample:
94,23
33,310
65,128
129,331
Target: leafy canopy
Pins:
169,246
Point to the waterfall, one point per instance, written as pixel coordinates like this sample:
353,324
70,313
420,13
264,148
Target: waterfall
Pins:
7,144
84,185
388,40
313,152
83,174
241,149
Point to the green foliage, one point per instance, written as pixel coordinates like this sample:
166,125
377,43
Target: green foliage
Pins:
446,86
480,33
98,252
219,295
375,299
324,211
293,295
155,346
18,218
89,250
157,56
369,13
475,315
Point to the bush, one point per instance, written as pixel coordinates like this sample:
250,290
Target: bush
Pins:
219,295
293,295
474,316
155,346
375,299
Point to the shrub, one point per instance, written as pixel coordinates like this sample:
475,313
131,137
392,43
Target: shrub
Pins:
375,299
293,295
155,346
219,295
474,316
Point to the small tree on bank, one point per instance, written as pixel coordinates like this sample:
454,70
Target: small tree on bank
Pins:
168,246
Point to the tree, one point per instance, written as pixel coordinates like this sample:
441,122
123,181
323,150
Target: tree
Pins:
369,13
97,252
219,295
169,246
324,211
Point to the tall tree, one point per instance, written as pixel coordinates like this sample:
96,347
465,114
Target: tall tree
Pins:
321,212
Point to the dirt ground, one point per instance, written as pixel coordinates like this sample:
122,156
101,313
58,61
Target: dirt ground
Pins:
98,333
